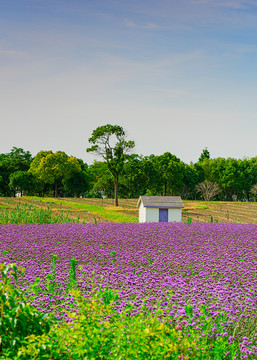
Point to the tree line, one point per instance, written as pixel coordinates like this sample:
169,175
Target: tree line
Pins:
117,172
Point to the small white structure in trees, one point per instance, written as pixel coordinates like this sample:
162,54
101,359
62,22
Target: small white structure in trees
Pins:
160,208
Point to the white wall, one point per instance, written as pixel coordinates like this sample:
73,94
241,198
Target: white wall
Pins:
152,214
174,215
142,213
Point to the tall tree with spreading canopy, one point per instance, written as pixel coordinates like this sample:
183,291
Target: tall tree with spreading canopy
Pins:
114,152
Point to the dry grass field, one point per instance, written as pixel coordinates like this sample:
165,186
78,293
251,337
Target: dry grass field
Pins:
235,212
103,210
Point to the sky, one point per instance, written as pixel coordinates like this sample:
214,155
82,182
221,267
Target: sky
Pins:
177,75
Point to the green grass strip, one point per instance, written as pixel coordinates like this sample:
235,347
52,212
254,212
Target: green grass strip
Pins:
102,212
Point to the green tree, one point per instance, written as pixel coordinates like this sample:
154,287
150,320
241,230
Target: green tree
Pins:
190,179
4,176
152,176
21,180
101,180
109,142
78,183
176,174
248,171
53,168
170,172
204,155
202,166
16,160
134,177
231,179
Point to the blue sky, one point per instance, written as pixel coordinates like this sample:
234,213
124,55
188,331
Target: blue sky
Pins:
177,75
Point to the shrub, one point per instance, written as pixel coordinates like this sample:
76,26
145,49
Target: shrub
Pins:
18,319
98,331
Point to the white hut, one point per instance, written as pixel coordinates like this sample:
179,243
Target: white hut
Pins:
160,208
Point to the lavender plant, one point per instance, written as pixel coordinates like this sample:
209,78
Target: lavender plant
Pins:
200,280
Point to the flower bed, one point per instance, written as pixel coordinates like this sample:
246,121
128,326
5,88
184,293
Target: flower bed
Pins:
200,278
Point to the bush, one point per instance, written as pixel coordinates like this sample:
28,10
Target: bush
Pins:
99,332
18,319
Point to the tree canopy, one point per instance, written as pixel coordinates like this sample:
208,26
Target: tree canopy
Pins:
109,142
16,160
52,168
50,173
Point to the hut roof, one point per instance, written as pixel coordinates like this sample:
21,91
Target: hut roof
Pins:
174,202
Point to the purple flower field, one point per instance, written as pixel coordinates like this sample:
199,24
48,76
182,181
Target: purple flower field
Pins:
183,273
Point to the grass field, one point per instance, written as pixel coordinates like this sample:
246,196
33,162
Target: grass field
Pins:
103,210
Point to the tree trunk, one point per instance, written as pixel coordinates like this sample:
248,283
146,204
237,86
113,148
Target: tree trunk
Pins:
116,192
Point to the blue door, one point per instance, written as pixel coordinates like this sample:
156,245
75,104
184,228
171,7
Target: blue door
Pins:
163,215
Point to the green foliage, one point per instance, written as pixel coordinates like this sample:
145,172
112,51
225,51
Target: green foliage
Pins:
91,336
50,279
77,184
204,155
52,168
28,214
114,155
234,177
16,160
72,274
202,207
59,174
101,179
211,218
18,319
166,174
98,331
189,219
135,177
108,214
108,295
21,180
